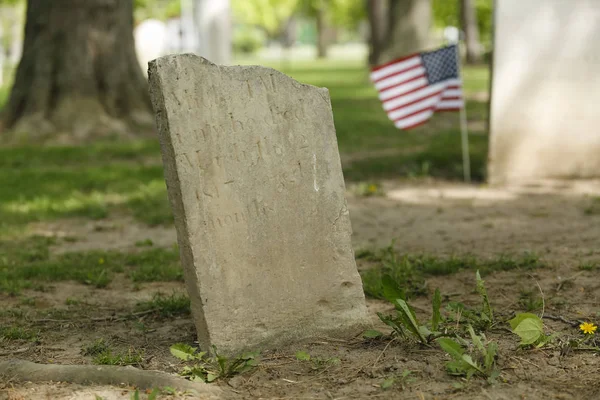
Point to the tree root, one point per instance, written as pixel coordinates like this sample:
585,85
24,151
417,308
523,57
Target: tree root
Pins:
27,371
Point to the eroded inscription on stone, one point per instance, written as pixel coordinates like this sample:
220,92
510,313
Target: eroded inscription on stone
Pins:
255,183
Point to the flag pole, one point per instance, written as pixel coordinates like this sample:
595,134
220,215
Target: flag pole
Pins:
464,133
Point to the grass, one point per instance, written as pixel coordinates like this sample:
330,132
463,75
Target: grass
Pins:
99,346
17,333
48,183
410,270
167,306
58,182
131,357
102,354
440,157
593,208
25,263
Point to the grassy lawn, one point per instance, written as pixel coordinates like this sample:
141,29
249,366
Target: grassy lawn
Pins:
54,182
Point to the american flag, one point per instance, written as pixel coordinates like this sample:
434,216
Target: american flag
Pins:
413,88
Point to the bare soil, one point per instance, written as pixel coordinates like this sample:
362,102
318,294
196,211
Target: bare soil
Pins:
556,220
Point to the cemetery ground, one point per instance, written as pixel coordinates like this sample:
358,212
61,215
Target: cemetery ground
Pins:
90,274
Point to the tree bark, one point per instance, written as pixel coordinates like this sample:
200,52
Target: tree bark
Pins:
321,33
78,79
471,30
408,29
377,11
289,35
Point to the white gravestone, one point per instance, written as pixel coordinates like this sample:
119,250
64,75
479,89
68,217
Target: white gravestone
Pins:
545,99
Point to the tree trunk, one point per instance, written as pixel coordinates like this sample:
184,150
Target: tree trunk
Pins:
289,33
321,33
408,32
377,11
78,78
471,30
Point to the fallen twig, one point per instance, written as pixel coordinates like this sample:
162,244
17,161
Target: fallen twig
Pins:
125,317
112,318
569,279
562,319
382,352
18,351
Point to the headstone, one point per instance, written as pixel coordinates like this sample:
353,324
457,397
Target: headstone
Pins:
544,121
256,187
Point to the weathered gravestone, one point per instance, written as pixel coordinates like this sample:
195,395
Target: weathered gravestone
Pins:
545,119
256,187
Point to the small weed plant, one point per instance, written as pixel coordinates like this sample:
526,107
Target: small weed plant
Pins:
206,368
453,334
317,363
482,362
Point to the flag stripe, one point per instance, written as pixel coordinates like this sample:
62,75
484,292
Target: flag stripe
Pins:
395,68
435,96
382,66
417,106
451,98
406,88
454,82
391,105
406,94
416,124
452,92
414,119
412,73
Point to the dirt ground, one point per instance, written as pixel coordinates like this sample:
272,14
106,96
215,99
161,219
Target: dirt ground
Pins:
557,221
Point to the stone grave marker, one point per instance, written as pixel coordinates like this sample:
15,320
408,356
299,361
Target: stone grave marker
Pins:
256,187
544,121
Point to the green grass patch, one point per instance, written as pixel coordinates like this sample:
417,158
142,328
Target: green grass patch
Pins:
593,207
57,182
17,333
588,265
167,306
131,357
27,263
99,346
410,271
439,157
103,354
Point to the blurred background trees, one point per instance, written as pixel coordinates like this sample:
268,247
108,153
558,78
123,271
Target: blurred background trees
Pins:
78,76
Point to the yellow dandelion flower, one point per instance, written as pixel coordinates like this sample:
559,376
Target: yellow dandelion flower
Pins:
588,328
372,188
101,261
